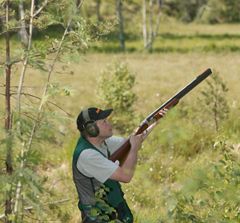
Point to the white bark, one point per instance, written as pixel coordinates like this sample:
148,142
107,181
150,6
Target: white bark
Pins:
23,32
144,23
26,58
150,34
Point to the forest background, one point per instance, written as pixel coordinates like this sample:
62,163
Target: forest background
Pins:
57,57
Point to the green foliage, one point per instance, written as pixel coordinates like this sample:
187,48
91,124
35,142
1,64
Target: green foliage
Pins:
210,194
214,102
232,12
115,90
101,211
168,41
61,11
215,11
55,89
33,129
185,10
211,12
231,128
180,135
83,32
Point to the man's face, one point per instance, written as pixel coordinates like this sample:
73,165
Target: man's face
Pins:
105,128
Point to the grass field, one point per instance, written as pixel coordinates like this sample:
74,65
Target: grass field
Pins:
183,38
158,77
189,50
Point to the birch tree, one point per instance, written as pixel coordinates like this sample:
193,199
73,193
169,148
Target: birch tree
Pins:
23,30
150,26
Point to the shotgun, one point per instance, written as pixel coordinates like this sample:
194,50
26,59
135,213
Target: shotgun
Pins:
121,153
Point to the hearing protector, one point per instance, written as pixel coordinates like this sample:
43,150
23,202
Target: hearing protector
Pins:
90,126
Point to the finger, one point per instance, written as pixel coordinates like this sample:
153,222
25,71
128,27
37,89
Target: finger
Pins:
147,132
150,128
163,112
135,131
143,136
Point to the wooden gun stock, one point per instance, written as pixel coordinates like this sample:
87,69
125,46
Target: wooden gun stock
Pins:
123,150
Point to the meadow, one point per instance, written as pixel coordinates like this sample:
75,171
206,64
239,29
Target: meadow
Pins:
163,164
184,149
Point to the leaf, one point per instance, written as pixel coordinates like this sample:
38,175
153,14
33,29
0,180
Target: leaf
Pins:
171,204
7,187
94,213
11,217
67,91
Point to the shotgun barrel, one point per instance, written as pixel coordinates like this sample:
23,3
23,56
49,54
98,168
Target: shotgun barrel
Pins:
122,151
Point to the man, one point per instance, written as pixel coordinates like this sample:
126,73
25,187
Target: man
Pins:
92,168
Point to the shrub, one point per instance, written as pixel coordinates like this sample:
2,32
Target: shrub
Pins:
115,89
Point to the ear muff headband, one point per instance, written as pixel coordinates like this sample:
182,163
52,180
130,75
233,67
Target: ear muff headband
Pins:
86,116
90,125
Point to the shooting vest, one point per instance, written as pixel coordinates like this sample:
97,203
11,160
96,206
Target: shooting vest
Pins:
87,186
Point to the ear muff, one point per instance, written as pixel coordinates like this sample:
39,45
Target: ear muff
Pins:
90,125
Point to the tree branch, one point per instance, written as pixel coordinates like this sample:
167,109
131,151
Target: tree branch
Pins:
41,8
50,102
11,29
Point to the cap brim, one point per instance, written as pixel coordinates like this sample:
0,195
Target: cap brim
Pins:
105,113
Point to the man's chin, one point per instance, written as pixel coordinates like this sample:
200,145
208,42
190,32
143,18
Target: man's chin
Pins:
110,135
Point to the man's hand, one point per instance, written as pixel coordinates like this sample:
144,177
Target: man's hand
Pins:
125,172
146,132
136,141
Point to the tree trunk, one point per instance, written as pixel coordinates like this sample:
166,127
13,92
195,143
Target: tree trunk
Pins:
19,93
8,117
26,57
144,23
98,4
121,24
150,35
158,18
23,32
